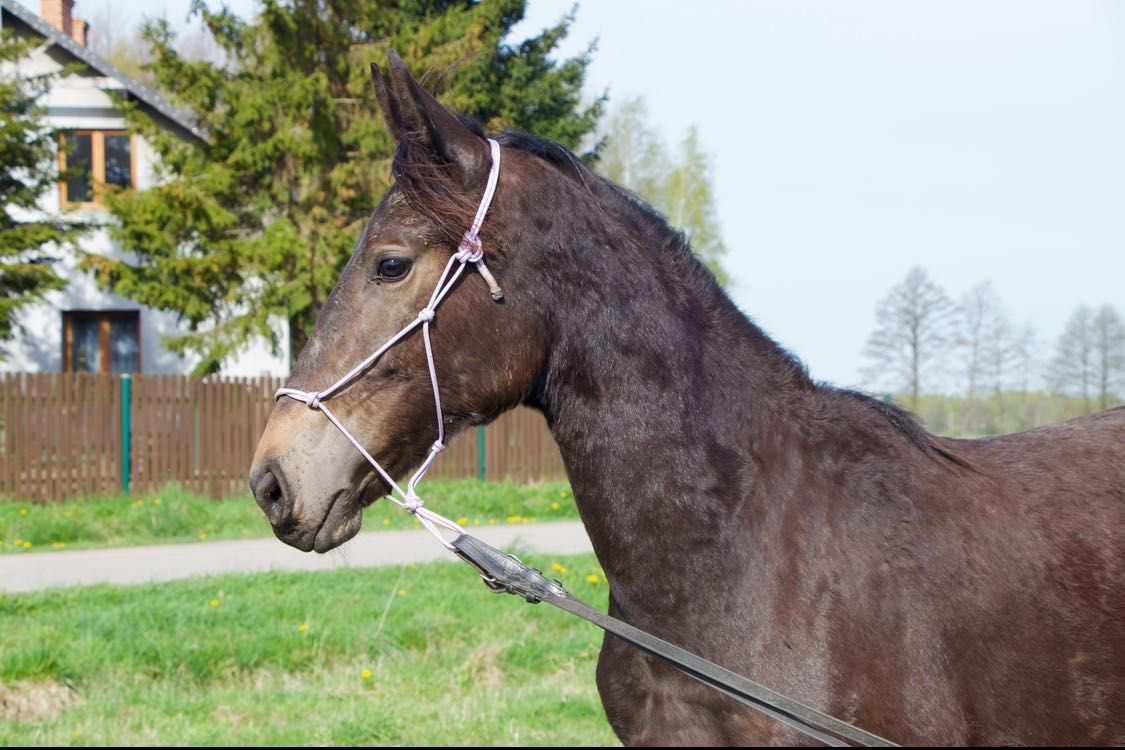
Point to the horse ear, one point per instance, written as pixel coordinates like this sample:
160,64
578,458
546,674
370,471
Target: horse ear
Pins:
392,115
412,112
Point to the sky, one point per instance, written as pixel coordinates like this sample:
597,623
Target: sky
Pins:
853,141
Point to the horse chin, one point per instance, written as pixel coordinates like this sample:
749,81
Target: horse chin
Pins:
342,522
345,514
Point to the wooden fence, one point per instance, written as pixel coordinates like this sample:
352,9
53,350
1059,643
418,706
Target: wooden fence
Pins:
74,435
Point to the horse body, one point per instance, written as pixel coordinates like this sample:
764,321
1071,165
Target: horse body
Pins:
815,540
930,590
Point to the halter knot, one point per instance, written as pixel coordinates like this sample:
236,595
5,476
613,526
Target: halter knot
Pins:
470,250
437,447
313,400
426,315
412,502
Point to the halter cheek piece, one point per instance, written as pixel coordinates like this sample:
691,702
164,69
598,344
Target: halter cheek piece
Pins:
469,251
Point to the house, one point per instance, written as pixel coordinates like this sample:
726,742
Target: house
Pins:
82,328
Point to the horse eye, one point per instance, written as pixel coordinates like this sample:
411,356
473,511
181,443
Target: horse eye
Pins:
392,269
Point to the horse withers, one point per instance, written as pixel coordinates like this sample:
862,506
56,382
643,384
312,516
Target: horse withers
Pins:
818,541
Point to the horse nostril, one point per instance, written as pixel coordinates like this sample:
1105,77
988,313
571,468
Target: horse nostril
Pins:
270,494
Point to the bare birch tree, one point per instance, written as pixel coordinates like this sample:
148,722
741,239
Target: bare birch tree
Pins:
1072,370
1109,354
984,343
911,335
983,336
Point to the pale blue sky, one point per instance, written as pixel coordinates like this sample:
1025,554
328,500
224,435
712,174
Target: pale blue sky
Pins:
852,141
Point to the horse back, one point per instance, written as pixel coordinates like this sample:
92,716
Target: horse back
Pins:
1043,574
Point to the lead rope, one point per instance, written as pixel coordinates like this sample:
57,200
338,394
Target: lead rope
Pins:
468,251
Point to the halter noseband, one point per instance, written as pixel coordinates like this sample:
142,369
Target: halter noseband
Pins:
468,251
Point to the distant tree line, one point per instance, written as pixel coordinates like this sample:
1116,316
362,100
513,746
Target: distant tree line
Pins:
966,368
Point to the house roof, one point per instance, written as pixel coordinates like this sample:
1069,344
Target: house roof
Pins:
136,90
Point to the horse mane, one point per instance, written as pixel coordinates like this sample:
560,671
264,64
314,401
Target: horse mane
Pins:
431,188
903,421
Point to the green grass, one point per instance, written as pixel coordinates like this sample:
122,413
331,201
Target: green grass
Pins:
174,515
416,655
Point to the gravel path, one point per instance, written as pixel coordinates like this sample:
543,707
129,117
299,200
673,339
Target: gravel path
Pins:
168,562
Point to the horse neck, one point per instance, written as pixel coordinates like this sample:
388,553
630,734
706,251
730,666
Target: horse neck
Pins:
655,388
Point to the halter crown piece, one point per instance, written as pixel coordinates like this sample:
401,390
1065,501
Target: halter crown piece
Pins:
468,251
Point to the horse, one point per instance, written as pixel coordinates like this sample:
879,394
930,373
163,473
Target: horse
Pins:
815,539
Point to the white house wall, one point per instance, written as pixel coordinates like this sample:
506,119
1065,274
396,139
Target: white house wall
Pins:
79,102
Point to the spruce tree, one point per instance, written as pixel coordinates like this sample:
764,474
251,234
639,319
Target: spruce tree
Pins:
31,238
260,219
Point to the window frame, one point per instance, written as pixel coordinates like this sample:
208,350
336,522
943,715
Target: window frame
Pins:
105,320
97,166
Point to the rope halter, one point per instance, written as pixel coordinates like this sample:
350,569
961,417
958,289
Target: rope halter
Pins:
468,251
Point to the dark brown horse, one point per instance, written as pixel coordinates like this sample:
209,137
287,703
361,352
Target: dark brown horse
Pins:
815,540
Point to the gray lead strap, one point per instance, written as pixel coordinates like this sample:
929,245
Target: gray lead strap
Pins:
504,573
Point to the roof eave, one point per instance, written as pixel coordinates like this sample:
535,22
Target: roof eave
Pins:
146,95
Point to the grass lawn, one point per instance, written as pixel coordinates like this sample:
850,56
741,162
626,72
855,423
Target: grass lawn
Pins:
415,655
178,516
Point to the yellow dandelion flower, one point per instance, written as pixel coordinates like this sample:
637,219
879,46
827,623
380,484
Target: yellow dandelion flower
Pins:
563,569
386,522
557,568
555,506
23,511
367,674
203,535
157,501
513,519
59,545
593,578
19,542
27,545
462,521
402,592
215,602
304,628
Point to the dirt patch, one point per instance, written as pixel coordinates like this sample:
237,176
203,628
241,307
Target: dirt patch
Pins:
482,666
227,715
35,701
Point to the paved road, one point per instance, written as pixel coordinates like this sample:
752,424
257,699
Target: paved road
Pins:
167,562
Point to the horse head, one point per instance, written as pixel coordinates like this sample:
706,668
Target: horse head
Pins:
487,349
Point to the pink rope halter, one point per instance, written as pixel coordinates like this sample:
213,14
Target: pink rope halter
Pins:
469,251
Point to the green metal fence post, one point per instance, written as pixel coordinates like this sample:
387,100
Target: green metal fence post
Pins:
126,432
482,463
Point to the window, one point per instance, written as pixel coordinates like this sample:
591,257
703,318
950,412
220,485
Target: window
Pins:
91,159
102,341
